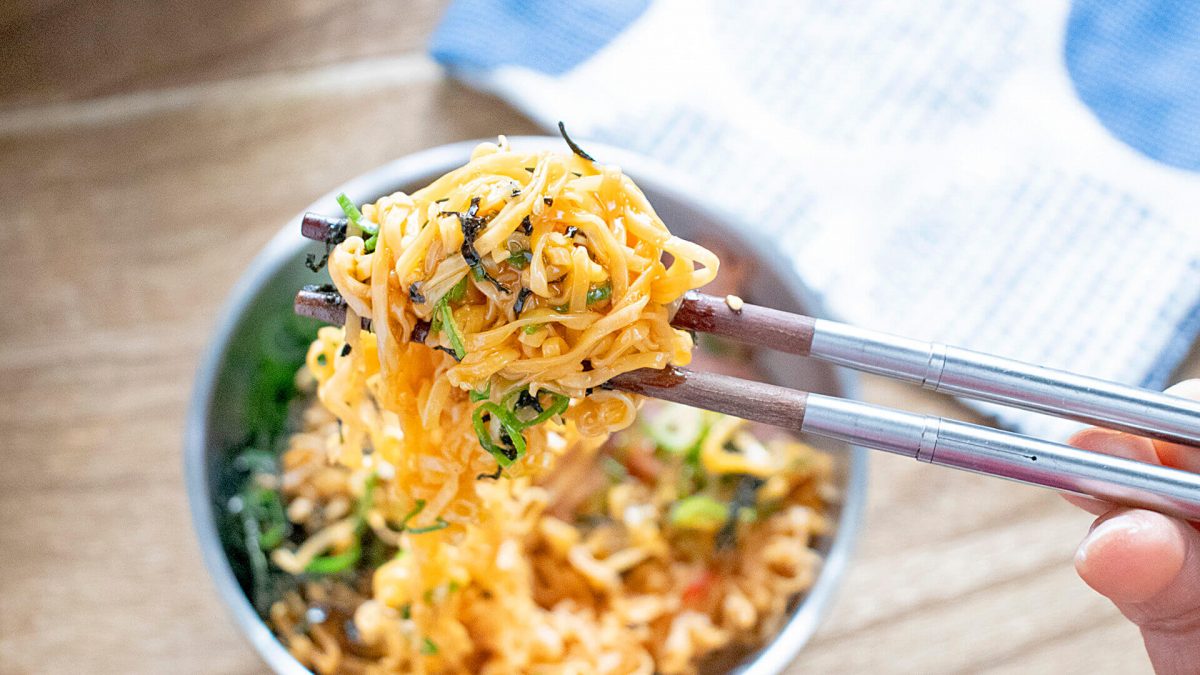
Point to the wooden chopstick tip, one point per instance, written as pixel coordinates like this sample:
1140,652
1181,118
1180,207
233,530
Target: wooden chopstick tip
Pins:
323,228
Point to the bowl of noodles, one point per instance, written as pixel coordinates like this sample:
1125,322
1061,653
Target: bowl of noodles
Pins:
452,487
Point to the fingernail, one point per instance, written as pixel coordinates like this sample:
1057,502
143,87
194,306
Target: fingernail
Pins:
1101,531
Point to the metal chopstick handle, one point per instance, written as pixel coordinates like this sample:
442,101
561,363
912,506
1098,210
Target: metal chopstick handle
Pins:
1006,455
962,372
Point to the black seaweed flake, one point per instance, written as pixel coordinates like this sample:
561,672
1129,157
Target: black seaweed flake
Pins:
495,475
548,201
506,444
528,400
587,365
571,231
562,129
420,331
443,200
522,297
526,226
448,351
415,295
311,262
346,349
745,496
472,224
516,192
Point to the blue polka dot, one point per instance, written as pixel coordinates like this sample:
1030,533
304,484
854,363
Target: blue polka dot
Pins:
1136,64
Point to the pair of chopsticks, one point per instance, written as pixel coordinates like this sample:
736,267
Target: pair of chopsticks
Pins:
934,366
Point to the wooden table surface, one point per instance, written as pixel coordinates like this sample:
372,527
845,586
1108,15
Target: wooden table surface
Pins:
147,152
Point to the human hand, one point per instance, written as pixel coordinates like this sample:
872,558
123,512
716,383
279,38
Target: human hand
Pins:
1148,564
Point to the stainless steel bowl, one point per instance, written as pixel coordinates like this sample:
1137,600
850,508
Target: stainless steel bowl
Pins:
217,419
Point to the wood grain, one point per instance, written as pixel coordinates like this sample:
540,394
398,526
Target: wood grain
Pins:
761,326
137,117
755,401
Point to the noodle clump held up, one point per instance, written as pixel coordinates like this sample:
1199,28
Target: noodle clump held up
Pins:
502,297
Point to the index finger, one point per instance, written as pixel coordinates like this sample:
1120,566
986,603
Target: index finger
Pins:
1180,456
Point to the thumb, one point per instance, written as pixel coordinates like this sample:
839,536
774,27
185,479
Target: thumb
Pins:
1149,566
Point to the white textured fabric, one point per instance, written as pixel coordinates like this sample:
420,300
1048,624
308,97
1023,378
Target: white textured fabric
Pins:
933,171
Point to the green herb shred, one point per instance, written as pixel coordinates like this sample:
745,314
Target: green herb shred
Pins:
451,330
598,294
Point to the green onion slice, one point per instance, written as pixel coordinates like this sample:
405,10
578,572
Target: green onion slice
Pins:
699,512
676,428
448,325
599,293
332,564
504,456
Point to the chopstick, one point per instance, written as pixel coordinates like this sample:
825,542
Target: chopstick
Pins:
935,366
923,437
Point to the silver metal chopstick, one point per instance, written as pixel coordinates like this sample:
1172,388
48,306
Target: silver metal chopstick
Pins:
931,439
950,370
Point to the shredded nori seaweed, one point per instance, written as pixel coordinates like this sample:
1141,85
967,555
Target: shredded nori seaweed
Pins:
527,400
526,226
472,224
448,351
745,496
415,295
562,129
522,297
495,475
345,349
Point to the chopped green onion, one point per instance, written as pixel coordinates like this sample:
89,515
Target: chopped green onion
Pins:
599,293
272,537
352,212
367,228
520,259
477,396
332,564
439,524
532,328
675,428
416,509
699,512
559,407
505,456
457,292
428,647
451,330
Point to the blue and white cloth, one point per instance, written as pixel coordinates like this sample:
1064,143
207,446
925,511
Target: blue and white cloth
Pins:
1020,177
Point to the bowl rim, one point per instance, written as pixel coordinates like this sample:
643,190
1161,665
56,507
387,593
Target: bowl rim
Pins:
283,247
